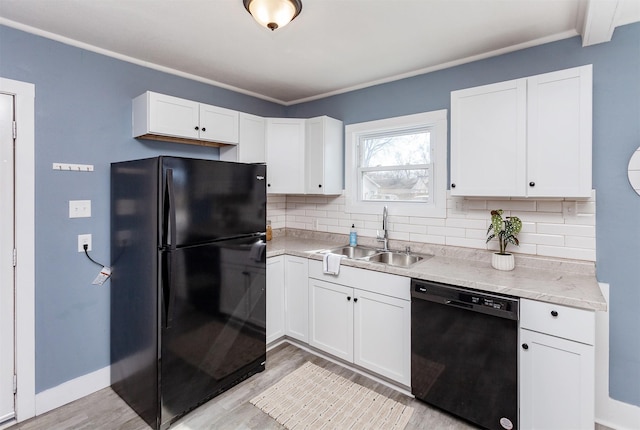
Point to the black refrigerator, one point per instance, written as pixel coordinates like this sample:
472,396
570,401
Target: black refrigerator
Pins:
188,306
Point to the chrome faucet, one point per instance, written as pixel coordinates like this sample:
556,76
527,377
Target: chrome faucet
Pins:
385,236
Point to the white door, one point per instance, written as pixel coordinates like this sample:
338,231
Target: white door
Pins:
296,297
285,155
7,400
488,140
382,333
331,318
556,383
275,298
218,124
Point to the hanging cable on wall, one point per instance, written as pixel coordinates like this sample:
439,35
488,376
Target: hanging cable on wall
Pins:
104,274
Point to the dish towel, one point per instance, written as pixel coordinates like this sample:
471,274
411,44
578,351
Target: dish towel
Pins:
257,251
331,263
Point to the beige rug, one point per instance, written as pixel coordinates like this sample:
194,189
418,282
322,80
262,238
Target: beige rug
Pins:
315,398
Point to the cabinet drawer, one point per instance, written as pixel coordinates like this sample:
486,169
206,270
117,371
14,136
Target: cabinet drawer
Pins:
368,280
556,320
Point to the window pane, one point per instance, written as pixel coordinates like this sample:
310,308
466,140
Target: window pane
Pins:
403,184
399,150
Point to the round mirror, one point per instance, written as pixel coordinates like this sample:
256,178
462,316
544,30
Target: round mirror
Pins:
634,171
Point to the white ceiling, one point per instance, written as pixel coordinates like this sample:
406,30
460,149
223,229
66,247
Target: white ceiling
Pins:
331,47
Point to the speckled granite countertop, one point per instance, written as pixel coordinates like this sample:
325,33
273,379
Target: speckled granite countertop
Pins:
566,282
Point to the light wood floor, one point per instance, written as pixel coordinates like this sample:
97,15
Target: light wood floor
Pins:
231,410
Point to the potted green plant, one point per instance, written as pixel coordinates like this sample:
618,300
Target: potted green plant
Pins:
506,231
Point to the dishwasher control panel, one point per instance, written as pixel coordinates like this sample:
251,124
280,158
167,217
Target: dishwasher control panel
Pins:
504,306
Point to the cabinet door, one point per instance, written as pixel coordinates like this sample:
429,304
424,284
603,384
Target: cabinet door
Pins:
559,133
285,156
251,147
324,155
296,297
172,116
275,298
331,318
382,335
218,124
556,383
488,140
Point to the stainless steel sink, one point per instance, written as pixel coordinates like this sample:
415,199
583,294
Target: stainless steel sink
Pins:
391,258
353,251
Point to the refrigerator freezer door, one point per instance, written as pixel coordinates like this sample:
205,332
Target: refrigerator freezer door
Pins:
217,330
214,199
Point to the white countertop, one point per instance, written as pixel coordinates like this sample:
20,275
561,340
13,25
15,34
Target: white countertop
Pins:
555,281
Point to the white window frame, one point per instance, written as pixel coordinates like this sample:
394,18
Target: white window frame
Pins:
436,121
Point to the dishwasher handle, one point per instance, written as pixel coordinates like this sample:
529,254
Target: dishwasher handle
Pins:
458,304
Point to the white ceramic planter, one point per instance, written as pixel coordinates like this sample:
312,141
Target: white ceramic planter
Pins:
503,261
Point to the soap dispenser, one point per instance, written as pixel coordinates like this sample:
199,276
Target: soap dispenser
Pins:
353,236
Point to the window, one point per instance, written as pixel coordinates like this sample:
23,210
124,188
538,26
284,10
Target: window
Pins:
399,162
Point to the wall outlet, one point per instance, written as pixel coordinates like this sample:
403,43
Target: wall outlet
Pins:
79,208
569,209
84,239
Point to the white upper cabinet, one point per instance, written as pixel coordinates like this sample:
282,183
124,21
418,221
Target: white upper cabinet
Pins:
162,117
285,155
529,137
559,134
324,155
305,156
218,124
251,146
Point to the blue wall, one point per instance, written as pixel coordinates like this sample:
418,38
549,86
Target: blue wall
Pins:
83,116
616,135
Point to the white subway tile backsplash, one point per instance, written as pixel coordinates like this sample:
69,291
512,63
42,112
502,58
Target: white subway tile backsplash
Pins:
471,233
549,206
542,239
580,242
409,228
399,235
427,221
316,213
427,238
566,252
465,242
567,229
545,231
513,205
586,208
466,223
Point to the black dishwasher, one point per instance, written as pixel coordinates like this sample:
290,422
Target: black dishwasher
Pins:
464,356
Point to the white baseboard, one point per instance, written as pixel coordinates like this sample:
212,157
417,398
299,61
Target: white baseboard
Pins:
72,390
609,412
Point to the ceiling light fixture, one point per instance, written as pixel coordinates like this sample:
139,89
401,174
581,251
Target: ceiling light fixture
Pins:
273,13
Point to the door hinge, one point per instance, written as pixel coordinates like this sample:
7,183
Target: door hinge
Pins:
15,384
15,257
14,127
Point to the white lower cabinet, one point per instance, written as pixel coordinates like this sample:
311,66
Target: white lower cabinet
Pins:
331,318
382,335
556,367
296,297
355,318
275,298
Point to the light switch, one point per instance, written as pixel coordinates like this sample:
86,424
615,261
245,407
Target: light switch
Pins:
79,208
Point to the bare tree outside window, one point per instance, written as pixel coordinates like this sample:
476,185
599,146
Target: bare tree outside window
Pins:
396,166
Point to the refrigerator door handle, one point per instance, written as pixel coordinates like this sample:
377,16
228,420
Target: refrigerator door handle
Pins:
171,211
168,283
168,287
